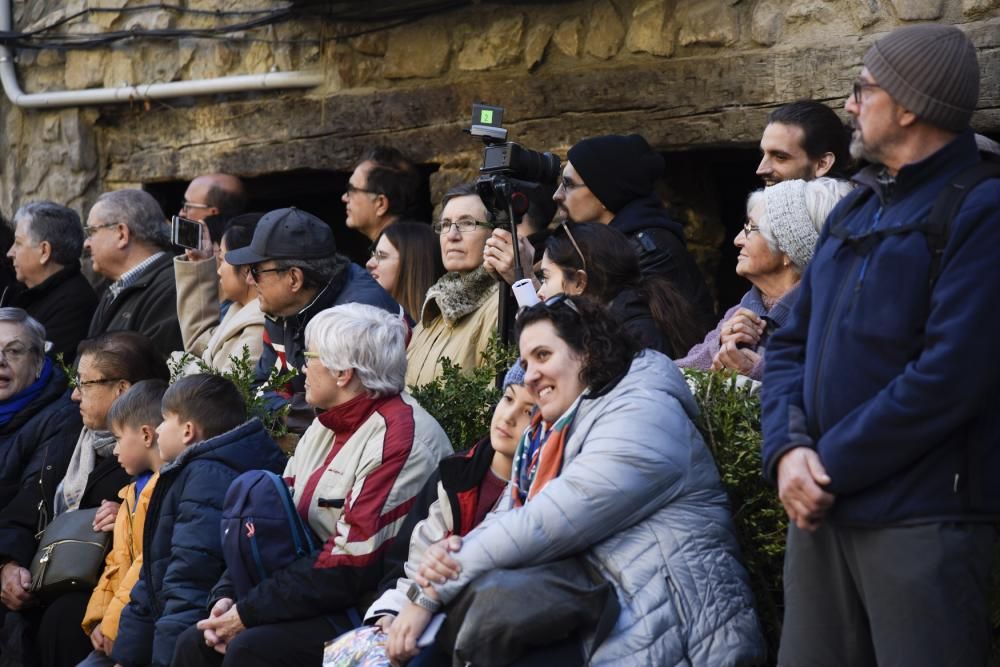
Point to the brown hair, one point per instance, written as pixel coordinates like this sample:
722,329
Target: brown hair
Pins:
419,263
210,401
125,355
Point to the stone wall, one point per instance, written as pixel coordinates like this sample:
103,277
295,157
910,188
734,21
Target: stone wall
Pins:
685,73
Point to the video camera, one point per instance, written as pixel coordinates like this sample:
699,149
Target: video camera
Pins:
508,176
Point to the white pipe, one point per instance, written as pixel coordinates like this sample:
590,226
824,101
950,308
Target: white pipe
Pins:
143,91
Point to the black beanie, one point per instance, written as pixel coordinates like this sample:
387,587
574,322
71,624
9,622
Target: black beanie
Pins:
617,169
929,69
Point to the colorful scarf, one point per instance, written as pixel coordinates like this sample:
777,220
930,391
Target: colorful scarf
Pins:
15,403
538,458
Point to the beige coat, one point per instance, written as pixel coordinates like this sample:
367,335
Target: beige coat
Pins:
462,341
198,314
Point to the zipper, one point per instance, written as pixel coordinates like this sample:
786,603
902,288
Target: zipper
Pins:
255,549
43,562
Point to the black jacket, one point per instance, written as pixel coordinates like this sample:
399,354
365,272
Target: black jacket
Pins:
148,306
64,303
659,241
632,311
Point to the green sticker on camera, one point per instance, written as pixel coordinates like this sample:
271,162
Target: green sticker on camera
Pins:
486,116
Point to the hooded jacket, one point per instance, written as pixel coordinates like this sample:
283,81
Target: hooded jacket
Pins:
640,497
886,376
182,542
658,239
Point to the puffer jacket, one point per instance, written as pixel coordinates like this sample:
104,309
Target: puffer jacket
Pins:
182,543
640,496
123,563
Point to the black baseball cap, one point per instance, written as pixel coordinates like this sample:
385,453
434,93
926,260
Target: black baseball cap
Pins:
286,233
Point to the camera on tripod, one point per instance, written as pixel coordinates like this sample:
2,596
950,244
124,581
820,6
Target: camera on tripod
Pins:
508,177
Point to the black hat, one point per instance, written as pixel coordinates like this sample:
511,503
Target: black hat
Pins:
617,169
286,233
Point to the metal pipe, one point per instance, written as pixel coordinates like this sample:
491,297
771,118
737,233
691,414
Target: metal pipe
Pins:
142,91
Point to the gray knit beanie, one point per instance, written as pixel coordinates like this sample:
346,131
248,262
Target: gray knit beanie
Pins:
931,70
789,222
515,375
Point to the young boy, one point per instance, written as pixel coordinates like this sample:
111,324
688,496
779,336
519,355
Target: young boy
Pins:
205,442
133,418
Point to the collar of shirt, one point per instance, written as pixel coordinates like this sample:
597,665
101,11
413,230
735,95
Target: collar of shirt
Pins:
129,277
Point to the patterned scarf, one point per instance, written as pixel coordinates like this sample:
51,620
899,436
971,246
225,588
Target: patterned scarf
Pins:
539,456
455,295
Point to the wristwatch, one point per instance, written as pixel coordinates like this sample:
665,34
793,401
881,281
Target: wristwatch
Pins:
417,597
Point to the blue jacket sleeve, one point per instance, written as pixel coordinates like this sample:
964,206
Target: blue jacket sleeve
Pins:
134,645
782,414
196,561
949,382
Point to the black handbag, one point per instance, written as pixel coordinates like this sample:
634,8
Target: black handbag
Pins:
503,614
70,555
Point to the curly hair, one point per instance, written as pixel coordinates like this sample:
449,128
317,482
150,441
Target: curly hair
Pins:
586,326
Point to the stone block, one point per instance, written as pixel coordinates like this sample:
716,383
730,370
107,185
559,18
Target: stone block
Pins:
418,51
918,10
606,32
498,46
864,12
84,69
50,127
119,70
712,23
567,36
78,136
650,30
766,22
372,44
258,59
810,11
974,7
49,57
535,43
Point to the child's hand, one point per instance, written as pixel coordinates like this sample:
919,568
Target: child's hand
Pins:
104,520
97,640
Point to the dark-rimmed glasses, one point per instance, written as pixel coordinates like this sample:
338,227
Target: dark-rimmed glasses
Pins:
859,87
563,298
351,189
190,205
463,225
82,384
256,273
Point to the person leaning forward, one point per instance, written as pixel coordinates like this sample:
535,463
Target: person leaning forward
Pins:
878,411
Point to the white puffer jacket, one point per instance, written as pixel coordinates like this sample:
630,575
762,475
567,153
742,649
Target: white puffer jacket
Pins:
640,495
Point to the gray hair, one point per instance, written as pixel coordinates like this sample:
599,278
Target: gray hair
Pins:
364,338
317,271
58,225
756,199
137,210
33,331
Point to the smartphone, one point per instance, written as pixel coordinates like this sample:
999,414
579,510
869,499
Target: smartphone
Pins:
186,233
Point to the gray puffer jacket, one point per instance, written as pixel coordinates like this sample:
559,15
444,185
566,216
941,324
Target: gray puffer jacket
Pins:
640,495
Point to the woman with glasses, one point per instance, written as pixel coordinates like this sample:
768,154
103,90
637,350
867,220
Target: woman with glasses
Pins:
459,313
406,261
599,262
71,478
613,468
354,475
206,279
776,244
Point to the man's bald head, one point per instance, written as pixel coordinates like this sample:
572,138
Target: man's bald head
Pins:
214,194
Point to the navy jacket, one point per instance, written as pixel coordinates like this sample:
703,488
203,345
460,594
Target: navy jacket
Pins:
284,337
182,543
658,239
888,378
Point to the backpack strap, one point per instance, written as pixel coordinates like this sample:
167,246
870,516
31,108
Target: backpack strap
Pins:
947,206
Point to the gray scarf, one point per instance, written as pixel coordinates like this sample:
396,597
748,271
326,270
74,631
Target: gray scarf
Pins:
455,295
90,446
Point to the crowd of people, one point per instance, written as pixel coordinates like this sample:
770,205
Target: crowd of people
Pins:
866,300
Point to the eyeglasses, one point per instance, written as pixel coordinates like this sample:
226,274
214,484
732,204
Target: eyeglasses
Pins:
351,189
379,256
13,353
83,384
256,273
463,225
567,185
749,228
859,86
572,240
90,231
558,299
188,205
310,355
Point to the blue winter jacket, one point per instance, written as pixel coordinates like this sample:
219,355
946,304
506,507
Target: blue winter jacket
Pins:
182,549
887,377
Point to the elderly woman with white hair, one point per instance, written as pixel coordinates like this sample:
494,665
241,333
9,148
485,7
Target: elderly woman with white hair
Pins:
353,477
776,243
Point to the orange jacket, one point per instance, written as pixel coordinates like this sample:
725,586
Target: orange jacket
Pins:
123,564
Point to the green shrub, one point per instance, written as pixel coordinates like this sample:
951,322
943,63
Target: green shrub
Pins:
463,402
730,424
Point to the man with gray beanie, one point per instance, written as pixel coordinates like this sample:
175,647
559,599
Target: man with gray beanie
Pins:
879,417
610,179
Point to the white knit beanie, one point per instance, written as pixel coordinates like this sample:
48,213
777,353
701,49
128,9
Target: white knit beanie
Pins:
789,220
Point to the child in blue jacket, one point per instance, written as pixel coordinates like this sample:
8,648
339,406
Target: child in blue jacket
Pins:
205,443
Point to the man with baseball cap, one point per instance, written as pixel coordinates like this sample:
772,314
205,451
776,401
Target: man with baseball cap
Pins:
610,179
294,265
879,413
